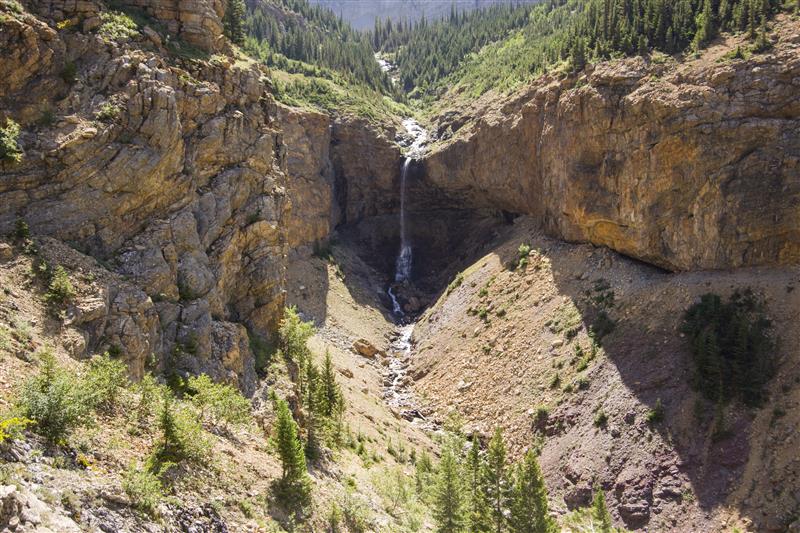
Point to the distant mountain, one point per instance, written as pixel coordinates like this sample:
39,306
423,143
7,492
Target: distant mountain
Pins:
361,14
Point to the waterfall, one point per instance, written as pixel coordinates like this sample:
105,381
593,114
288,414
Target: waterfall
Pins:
405,257
403,264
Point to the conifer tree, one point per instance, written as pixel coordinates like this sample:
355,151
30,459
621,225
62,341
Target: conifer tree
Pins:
331,399
495,481
233,21
448,505
578,55
294,485
477,510
313,410
529,499
600,514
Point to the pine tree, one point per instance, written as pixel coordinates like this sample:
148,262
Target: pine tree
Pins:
448,506
495,481
600,515
578,55
331,399
477,510
529,499
294,486
313,410
707,29
642,46
233,21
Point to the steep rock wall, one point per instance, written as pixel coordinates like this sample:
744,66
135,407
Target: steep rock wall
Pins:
171,172
689,167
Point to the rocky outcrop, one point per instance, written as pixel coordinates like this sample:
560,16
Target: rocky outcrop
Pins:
171,173
671,165
196,22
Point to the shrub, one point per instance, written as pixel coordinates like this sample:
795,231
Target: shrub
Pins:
103,382
143,488
222,403
22,231
456,283
656,414
12,428
9,142
117,26
149,391
69,73
601,326
731,348
54,400
60,290
182,438
523,252
108,112
600,418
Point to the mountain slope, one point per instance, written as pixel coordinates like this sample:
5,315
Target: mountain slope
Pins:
513,348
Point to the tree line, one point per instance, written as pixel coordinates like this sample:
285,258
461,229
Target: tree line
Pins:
482,491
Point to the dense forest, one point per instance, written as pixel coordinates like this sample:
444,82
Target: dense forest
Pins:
282,31
497,47
427,52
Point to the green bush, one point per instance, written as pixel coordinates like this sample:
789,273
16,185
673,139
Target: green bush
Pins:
143,488
149,391
182,438
9,142
294,334
53,399
456,283
60,290
731,347
222,403
108,112
600,419
103,382
69,73
11,428
656,414
22,231
117,26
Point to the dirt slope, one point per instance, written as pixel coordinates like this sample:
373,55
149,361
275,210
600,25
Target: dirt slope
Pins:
79,487
667,476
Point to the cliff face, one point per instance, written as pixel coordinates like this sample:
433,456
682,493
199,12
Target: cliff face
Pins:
689,167
172,172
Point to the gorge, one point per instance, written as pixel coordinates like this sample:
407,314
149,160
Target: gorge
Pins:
456,268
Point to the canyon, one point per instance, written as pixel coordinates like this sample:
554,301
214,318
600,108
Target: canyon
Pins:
161,168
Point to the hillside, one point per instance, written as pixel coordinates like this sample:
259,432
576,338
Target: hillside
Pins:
532,366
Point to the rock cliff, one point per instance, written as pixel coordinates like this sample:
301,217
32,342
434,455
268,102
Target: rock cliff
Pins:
170,171
671,164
